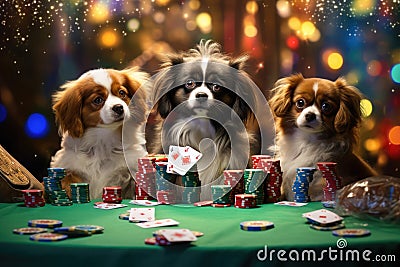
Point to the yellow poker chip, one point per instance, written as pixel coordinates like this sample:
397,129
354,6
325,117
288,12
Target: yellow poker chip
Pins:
48,237
256,225
327,228
351,232
29,230
93,229
45,223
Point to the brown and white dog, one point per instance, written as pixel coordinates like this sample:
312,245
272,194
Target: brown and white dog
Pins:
90,112
317,120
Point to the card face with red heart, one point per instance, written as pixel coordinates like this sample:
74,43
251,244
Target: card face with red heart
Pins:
290,203
108,206
181,159
158,223
144,202
178,235
142,215
323,216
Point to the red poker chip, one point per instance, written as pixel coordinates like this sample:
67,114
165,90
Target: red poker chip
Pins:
215,205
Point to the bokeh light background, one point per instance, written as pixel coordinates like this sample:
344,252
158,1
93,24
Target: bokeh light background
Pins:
44,43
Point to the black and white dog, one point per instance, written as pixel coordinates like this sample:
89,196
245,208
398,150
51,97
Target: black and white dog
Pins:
205,100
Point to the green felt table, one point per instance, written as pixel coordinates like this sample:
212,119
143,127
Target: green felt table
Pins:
223,243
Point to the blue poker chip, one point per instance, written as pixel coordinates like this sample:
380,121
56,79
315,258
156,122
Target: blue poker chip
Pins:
48,237
256,225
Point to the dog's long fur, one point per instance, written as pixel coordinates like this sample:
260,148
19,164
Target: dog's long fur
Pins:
330,136
217,77
91,147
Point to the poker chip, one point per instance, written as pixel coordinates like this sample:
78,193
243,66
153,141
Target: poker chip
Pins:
80,193
191,187
254,183
221,194
245,201
45,223
217,205
150,241
256,225
327,228
273,180
112,194
33,198
145,179
29,230
166,196
204,203
52,186
351,232
48,237
234,178
197,233
71,231
124,216
333,181
304,176
93,229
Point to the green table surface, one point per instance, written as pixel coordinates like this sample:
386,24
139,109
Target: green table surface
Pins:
223,243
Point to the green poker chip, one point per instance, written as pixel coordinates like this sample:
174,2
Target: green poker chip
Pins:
93,229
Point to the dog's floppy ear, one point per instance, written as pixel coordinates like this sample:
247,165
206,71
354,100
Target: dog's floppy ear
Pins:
281,95
67,107
238,62
349,113
164,106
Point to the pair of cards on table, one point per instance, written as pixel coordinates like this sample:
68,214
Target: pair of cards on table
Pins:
146,218
182,159
322,217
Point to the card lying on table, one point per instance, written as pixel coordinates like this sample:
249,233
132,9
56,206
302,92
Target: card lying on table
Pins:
158,223
142,215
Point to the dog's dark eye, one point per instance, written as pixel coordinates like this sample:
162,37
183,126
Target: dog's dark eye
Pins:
326,108
98,100
216,88
122,93
301,103
190,84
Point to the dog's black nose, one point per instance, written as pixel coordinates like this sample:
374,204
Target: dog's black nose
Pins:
310,117
119,109
201,96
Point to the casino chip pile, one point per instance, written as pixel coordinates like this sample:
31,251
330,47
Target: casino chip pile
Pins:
166,192
112,194
333,181
39,230
80,193
234,178
274,179
191,187
52,186
245,201
221,195
33,198
254,183
145,184
301,184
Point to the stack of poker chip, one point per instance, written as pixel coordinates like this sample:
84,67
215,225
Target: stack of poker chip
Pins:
80,192
274,179
191,187
145,187
33,198
256,160
221,195
254,183
245,201
256,225
52,185
112,194
234,178
333,180
165,184
301,184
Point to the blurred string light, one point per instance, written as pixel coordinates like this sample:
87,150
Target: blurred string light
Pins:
249,22
133,25
36,126
363,7
194,4
99,13
395,73
109,38
204,22
374,68
333,59
283,8
366,107
372,145
162,2
394,135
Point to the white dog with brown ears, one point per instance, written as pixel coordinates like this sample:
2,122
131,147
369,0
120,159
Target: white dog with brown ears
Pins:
90,112
317,120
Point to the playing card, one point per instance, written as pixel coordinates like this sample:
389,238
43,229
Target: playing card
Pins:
142,215
158,223
108,206
181,159
290,203
323,216
178,235
144,202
